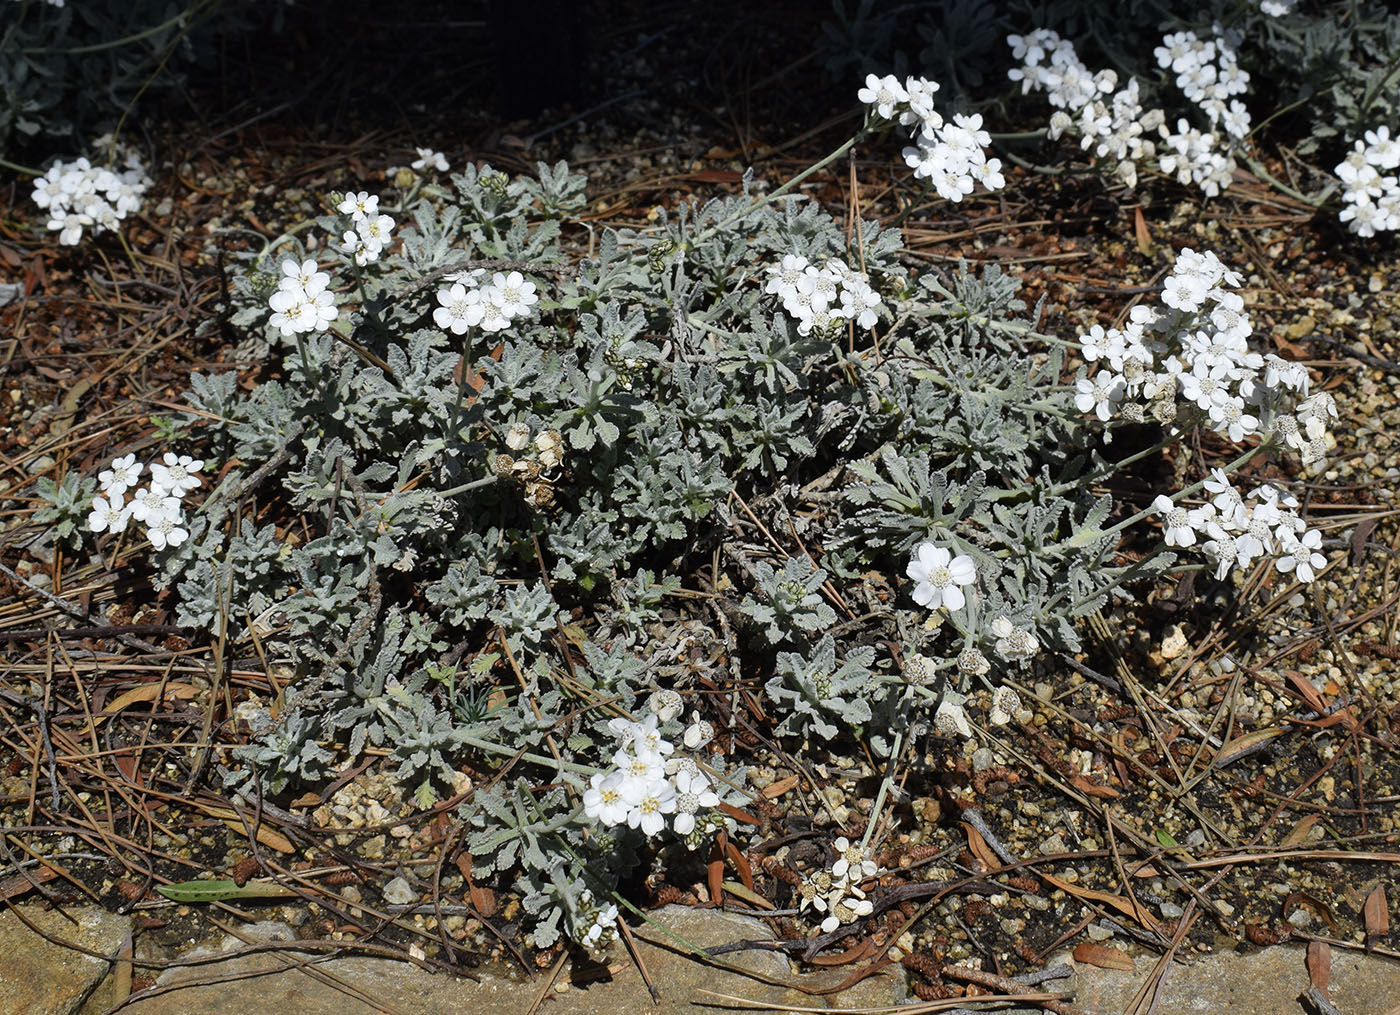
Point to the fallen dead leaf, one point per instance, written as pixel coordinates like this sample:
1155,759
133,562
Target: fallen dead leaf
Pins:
146,692
1319,965
776,789
1104,956
1377,916
1128,907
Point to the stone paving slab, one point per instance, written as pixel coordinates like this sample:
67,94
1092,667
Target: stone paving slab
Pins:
1265,982
263,983
38,977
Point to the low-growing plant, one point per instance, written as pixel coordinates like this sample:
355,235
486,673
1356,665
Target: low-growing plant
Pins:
487,463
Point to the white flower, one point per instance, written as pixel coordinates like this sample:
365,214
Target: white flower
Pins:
376,231
176,473
1302,555
512,294
108,514
638,771
938,574
359,206
293,311
692,793
304,276
860,302
884,93
351,243
69,227
1005,704
783,278
1176,522
664,704
150,503
649,804
699,733
321,309
603,802
851,864
1014,643
166,530
428,158
1101,395
461,309
120,477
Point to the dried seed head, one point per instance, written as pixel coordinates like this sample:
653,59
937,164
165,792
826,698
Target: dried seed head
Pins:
918,670
1005,704
972,662
551,448
518,436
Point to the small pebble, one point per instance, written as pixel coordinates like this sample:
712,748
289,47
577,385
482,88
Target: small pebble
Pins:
399,892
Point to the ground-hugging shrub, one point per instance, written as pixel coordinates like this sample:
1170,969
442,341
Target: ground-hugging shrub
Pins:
488,460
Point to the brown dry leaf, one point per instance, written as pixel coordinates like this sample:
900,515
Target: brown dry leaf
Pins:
739,815
1299,835
850,981
740,862
1296,899
21,883
146,692
1319,965
1377,916
1104,956
980,849
483,900
1093,789
853,954
267,835
1247,744
1143,234
714,870
776,789
1128,907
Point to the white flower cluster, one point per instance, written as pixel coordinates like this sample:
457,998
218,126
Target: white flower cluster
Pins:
156,505
468,303
1277,8
78,194
1236,531
594,925
1372,200
938,575
817,298
302,301
1111,121
836,890
371,231
644,786
1208,73
950,155
1191,364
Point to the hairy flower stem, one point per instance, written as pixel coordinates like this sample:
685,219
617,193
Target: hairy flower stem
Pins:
1127,574
759,202
1233,466
884,790
494,748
